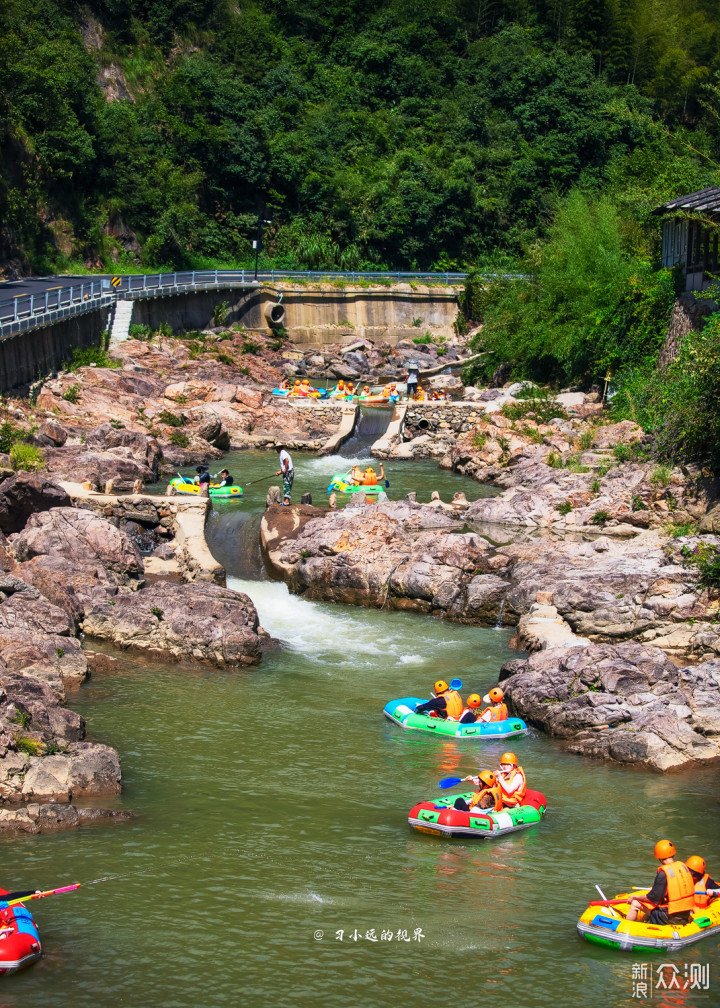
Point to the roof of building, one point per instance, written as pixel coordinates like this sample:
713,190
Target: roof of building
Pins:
705,199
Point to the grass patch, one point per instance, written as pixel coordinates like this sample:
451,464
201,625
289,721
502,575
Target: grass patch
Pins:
178,438
72,394
564,507
171,419
26,457
600,517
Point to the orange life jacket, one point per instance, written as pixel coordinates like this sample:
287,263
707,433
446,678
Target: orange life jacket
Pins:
701,897
370,479
386,392
453,703
494,792
680,887
498,712
516,797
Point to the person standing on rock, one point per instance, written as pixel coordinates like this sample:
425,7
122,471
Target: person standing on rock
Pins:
411,381
286,471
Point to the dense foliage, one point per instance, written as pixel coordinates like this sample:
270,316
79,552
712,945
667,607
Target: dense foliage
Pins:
437,133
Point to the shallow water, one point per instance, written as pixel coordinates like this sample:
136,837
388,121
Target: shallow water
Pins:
272,816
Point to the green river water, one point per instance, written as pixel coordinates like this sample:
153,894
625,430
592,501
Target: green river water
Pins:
272,817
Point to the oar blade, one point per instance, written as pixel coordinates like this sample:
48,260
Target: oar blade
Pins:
447,782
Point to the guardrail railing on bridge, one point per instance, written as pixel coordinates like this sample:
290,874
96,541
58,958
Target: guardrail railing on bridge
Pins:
27,311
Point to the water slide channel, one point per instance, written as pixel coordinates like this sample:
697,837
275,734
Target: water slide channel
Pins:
271,824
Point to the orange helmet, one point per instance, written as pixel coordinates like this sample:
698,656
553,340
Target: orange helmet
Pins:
487,777
664,849
297,381
440,686
341,383
305,381
474,700
494,695
510,757
696,864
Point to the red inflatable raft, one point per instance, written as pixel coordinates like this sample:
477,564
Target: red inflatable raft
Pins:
19,938
439,818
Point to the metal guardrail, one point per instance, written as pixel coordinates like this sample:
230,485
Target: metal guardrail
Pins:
30,311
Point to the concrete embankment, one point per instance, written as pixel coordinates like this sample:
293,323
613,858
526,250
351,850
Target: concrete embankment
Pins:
191,558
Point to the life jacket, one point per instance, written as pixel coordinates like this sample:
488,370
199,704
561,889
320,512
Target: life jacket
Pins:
370,479
453,703
498,712
386,392
680,887
516,797
701,897
494,792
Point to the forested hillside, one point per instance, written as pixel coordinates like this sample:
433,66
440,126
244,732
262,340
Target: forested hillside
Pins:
381,133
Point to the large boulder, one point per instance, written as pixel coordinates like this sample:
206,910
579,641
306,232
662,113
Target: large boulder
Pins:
626,703
36,637
26,493
70,584
80,536
200,620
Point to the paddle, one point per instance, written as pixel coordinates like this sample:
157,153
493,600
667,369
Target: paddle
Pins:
48,892
619,902
185,479
447,782
262,478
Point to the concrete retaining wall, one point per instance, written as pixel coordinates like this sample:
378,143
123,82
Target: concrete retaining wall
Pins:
433,416
32,355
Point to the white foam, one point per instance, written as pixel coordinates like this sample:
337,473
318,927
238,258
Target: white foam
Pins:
410,659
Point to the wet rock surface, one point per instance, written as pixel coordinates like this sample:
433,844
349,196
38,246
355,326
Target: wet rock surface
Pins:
201,621
626,703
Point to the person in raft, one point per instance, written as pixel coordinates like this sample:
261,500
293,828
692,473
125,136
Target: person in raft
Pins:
511,779
673,892
445,703
339,389
286,471
706,888
488,795
497,712
226,479
203,475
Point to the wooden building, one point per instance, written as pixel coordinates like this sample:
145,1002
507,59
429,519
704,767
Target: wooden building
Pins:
690,236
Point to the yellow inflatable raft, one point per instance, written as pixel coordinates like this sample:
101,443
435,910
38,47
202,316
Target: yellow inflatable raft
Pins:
606,925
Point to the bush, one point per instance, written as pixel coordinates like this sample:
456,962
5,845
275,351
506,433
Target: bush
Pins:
600,517
638,504
224,358
26,456
536,403
564,507
706,559
427,338
221,313
91,355
480,440
72,394
250,347
179,439
586,440
171,419
554,460
140,332
661,476
622,452
9,434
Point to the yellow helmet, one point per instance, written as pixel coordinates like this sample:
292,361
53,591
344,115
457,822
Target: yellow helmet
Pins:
509,757
440,686
487,777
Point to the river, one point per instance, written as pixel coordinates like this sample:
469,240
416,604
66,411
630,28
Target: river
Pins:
272,830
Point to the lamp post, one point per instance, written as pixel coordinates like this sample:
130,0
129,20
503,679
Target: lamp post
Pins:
257,244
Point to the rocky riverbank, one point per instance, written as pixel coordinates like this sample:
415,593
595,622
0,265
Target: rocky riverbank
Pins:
70,572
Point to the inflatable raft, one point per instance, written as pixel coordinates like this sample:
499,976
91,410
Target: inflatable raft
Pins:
221,493
19,938
340,483
604,925
402,712
439,818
